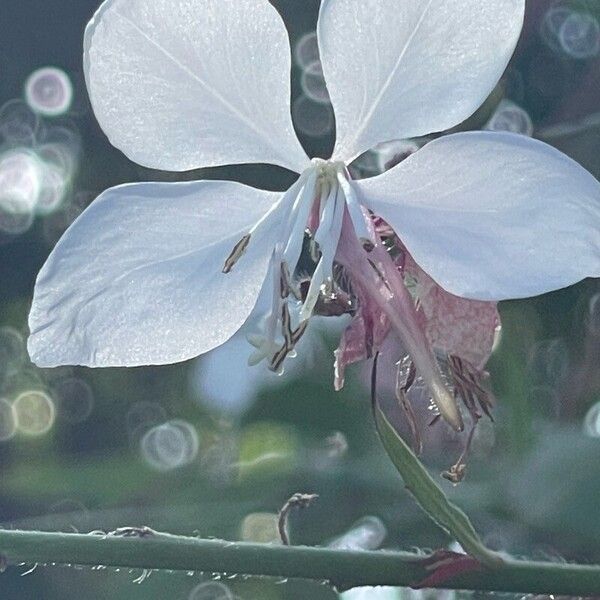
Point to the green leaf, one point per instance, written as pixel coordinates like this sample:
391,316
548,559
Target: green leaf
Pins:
429,495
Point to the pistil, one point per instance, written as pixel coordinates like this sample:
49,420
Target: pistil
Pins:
376,276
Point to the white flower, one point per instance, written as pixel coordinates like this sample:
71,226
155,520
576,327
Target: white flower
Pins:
181,84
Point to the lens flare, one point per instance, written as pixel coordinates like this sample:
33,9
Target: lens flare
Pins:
49,92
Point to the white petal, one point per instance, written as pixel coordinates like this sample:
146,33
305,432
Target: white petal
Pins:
137,278
187,84
404,69
492,216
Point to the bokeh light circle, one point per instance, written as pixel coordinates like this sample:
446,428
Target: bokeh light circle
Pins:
18,123
52,192
366,534
170,445
143,415
12,351
312,118
510,117
15,223
20,181
59,155
211,590
8,423
548,362
49,91
593,315
313,83
35,412
579,35
389,154
389,593
74,398
261,528
306,50
591,423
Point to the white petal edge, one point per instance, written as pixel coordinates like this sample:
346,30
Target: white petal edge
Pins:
188,84
137,278
493,216
405,69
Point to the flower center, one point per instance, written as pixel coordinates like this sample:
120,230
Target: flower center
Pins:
322,206
314,208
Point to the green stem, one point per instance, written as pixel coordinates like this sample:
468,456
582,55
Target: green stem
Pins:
344,569
430,496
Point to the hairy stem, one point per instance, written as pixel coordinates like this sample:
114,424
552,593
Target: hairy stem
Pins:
344,569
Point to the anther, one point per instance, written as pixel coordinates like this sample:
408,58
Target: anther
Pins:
299,332
236,253
278,358
286,325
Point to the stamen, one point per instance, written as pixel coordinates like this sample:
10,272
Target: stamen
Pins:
242,245
404,381
284,281
299,332
356,214
276,363
236,253
286,325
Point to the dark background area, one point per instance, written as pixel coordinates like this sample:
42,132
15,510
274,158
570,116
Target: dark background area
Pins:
533,481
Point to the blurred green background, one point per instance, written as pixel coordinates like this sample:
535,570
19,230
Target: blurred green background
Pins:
205,448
